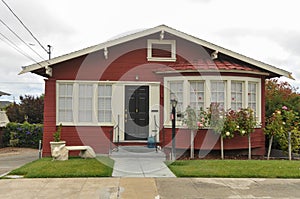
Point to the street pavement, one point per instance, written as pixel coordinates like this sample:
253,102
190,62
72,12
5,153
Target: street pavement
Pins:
15,158
152,188
138,185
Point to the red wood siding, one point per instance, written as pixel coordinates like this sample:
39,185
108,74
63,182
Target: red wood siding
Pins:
208,140
49,115
125,62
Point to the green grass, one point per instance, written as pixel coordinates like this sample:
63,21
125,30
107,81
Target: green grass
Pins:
74,167
236,168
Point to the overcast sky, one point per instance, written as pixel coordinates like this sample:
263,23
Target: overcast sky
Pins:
266,30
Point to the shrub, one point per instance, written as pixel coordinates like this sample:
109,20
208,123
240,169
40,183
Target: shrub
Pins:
27,134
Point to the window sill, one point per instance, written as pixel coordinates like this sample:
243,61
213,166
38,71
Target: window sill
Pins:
162,59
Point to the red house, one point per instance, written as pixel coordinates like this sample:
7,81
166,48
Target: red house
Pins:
119,91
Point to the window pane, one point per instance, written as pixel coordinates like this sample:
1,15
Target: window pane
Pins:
176,92
252,96
65,102
236,95
218,92
104,103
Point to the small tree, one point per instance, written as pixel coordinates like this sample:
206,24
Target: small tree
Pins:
273,128
223,123
246,122
194,122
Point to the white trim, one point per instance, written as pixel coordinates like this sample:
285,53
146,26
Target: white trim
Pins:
212,71
150,31
75,107
207,95
150,43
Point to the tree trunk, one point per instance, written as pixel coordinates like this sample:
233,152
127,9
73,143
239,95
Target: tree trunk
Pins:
249,146
270,147
192,144
290,146
222,148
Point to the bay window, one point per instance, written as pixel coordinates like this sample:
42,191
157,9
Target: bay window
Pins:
199,92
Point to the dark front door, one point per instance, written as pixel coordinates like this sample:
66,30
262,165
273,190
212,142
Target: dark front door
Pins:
136,112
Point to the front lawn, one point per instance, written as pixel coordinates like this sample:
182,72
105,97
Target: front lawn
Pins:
74,167
236,168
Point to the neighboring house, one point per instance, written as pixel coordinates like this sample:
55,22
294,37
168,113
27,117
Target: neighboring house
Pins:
4,104
3,122
3,93
120,90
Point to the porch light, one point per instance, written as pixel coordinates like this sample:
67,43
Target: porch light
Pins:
173,103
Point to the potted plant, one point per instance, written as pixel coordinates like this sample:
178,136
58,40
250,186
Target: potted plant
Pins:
56,139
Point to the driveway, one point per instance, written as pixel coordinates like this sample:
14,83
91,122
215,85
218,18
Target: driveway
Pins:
12,158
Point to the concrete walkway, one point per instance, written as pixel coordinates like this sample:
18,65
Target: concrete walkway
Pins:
149,188
139,161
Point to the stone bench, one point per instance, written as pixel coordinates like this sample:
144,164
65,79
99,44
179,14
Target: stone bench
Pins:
62,152
85,151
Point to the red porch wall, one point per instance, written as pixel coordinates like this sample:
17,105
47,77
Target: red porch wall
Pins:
207,140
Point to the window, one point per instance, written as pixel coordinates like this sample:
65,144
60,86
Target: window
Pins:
84,103
176,92
236,95
65,102
200,91
104,103
252,96
161,50
218,92
197,95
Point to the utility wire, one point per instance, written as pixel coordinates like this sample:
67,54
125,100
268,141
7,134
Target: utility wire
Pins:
25,26
20,39
13,45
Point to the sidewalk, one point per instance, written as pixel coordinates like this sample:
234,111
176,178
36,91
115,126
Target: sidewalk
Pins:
149,188
132,161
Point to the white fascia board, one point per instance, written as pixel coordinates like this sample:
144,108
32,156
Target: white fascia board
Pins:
90,49
152,31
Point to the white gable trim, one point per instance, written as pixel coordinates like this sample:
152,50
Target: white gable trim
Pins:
157,29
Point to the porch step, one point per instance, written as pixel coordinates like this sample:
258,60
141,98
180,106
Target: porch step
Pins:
137,152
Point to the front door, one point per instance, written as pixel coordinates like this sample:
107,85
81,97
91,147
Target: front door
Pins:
136,112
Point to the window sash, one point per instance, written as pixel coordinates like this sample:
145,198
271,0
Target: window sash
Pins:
65,100
237,95
83,100
218,93
104,103
197,95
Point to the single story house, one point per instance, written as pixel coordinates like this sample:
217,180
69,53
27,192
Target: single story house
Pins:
119,91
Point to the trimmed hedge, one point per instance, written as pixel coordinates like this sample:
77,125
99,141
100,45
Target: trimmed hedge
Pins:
28,134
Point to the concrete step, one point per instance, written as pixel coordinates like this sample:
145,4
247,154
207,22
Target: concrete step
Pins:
137,152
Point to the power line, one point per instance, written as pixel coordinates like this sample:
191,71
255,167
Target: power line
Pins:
13,45
26,27
20,39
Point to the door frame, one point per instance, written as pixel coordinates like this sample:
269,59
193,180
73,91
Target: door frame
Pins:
118,108
137,119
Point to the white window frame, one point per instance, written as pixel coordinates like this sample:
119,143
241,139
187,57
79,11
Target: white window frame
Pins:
207,93
75,104
150,43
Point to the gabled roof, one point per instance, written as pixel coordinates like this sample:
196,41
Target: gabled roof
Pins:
3,93
143,33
